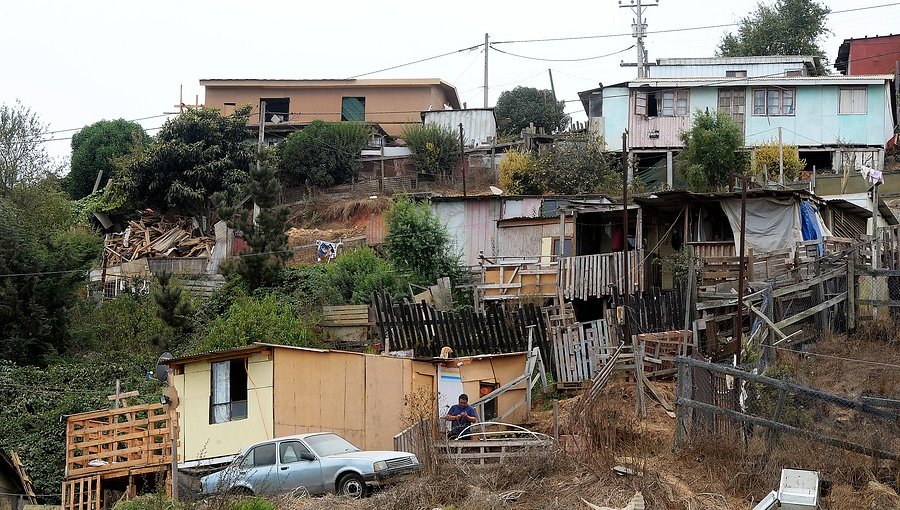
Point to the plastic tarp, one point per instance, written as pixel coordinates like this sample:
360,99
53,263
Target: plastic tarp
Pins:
772,224
809,225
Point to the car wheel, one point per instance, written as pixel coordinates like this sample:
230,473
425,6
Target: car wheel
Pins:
352,486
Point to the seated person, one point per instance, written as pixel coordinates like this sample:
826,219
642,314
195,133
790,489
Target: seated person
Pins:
461,415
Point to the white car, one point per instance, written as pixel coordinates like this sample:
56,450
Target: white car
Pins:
320,462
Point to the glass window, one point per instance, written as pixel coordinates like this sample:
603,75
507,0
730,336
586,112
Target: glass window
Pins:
228,392
668,104
681,102
353,109
787,102
329,444
262,455
291,451
852,101
759,102
774,101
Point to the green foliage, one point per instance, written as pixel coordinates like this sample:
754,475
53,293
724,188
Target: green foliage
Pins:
323,153
575,166
762,400
268,319
417,243
153,501
256,503
22,159
712,151
127,324
519,174
96,148
38,235
352,278
766,156
265,236
173,307
525,105
786,27
435,149
34,400
195,155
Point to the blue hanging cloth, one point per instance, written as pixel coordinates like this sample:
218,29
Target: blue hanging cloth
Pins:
809,226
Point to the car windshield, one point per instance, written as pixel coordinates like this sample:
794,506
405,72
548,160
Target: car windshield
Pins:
329,444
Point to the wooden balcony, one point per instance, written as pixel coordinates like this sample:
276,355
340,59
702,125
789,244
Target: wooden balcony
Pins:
587,276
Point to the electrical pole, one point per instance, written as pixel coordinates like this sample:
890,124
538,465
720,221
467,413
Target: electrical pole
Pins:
626,277
462,157
639,30
487,47
552,88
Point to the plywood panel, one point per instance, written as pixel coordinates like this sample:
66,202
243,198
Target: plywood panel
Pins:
476,370
388,380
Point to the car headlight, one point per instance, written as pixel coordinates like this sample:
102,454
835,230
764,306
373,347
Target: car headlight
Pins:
379,466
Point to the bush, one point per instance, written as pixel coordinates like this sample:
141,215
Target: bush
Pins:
417,242
153,501
579,166
712,151
435,149
766,156
269,319
323,153
519,174
253,504
352,278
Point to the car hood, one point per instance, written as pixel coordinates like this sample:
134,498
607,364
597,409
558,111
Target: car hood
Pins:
369,455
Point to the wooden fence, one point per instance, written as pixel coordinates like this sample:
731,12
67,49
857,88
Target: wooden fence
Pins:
590,276
425,330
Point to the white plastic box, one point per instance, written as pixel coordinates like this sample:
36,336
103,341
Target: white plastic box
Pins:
799,489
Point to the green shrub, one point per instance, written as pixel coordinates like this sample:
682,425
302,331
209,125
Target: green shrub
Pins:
519,174
418,244
269,319
766,156
352,278
435,149
323,153
253,504
154,501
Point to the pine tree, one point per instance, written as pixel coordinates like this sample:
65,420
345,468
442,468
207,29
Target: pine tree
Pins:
266,236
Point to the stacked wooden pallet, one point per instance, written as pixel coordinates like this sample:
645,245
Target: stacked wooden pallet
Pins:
154,236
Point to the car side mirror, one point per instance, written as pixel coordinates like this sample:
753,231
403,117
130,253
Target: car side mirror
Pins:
307,456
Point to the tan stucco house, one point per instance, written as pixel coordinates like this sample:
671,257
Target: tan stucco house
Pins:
388,103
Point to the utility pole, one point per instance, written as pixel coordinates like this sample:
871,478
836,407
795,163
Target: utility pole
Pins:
626,277
487,48
742,260
262,131
639,30
552,88
780,158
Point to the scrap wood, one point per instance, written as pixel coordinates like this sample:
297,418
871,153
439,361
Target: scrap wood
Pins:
26,480
657,394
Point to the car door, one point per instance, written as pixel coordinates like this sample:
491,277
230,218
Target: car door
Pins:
257,469
298,467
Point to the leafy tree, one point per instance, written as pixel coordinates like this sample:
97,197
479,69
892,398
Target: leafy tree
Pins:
250,319
785,27
265,234
96,148
173,307
195,155
766,156
23,158
49,253
712,151
417,243
323,153
435,149
352,278
578,166
127,324
526,105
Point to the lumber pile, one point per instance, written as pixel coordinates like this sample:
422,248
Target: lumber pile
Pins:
155,236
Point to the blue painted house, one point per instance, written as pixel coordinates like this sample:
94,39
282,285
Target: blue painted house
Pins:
831,119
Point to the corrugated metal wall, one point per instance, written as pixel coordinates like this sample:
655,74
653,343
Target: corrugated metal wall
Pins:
522,208
712,71
479,126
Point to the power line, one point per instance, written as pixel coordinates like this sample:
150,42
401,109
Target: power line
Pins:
426,59
562,59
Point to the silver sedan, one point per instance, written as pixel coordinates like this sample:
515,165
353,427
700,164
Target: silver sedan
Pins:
320,463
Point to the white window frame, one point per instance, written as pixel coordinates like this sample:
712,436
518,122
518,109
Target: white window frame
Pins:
774,104
854,107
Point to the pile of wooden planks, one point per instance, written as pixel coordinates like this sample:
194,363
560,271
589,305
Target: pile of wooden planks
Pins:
155,236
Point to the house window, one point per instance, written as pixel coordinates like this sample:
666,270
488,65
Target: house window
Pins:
669,103
353,109
228,391
278,109
229,108
736,74
568,247
490,407
852,101
773,101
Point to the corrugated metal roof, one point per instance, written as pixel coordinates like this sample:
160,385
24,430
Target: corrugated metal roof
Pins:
762,80
759,59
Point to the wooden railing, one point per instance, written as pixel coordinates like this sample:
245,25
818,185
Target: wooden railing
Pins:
504,279
118,440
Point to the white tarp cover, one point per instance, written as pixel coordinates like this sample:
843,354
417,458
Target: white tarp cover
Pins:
772,224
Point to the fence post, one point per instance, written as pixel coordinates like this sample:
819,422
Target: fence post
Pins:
679,408
851,292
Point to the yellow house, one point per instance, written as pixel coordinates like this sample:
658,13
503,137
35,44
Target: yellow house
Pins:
230,399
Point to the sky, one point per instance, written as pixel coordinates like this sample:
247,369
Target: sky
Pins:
75,63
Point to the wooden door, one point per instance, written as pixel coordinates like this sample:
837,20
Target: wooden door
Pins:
732,101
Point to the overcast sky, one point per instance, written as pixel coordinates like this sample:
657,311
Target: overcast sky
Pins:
75,63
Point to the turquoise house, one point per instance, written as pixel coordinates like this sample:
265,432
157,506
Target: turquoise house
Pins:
834,120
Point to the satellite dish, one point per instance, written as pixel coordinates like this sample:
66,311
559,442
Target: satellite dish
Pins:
161,373
495,190
276,119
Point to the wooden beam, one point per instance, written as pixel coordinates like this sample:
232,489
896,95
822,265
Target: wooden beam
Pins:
831,441
812,311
